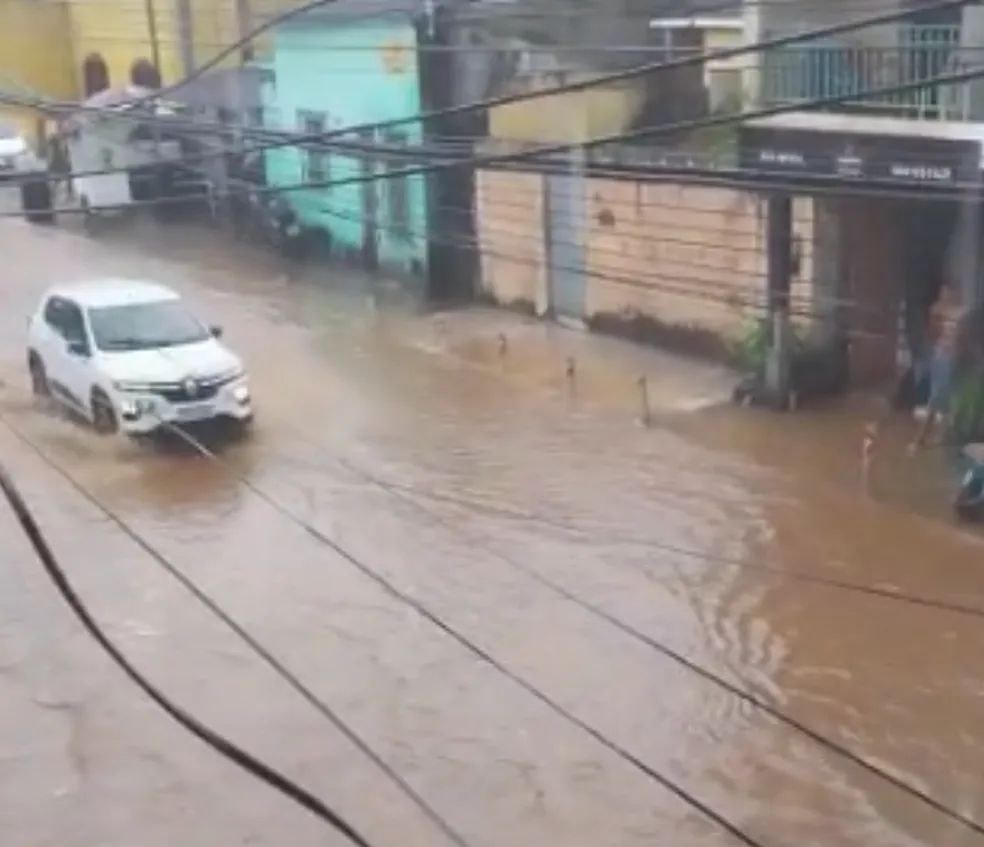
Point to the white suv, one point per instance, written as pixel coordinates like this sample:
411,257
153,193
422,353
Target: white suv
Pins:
130,356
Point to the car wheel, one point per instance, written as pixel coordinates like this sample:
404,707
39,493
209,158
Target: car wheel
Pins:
39,377
103,415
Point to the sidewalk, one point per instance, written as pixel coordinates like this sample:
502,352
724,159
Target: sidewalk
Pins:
599,370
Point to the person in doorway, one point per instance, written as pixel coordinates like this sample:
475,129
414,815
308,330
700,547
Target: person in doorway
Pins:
939,368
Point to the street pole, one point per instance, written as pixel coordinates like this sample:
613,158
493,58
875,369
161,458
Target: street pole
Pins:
779,252
155,46
244,20
186,36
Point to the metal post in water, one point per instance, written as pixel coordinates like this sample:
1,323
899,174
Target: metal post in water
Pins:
571,372
503,344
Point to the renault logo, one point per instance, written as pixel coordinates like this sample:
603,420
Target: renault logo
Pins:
191,387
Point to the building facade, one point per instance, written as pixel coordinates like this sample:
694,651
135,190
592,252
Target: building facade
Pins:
331,74
895,174
24,25
178,36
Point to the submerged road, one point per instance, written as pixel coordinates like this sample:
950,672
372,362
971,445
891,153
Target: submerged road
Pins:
564,558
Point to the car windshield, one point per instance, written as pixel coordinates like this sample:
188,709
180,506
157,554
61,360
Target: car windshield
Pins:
144,326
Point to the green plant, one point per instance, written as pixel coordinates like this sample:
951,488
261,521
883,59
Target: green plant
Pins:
967,420
751,352
752,349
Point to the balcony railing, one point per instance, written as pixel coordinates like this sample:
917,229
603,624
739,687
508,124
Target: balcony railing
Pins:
814,71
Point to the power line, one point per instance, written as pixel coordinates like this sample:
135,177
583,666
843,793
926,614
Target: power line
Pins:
677,128
742,693
220,744
238,629
669,653
688,553
688,286
815,33
477,651
601,80
390,589
396,593
762,179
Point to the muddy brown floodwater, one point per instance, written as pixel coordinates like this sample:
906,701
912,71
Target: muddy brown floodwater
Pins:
478,484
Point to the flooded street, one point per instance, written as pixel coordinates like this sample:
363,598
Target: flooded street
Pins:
541,613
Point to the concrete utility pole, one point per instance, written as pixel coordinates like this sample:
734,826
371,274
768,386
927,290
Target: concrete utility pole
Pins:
244,21
186,35
779,252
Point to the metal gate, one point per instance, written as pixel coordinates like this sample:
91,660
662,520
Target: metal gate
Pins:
565,245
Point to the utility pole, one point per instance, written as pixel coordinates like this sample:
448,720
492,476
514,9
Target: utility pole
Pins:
155,45
244,20
779,252
186,36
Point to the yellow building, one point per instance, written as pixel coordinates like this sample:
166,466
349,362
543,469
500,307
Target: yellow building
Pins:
35,56
178,35
122,31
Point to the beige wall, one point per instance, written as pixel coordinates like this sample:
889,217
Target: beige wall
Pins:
509,215
685,257
696,255
575,116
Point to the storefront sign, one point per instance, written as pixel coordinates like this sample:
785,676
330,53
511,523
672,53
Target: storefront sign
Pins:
868,157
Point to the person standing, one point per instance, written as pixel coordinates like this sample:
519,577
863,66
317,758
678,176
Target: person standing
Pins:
60,165
939,367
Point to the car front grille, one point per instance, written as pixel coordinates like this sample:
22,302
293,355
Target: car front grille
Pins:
179,394
175,392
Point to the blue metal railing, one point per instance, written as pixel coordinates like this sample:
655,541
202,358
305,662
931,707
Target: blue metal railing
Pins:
832,69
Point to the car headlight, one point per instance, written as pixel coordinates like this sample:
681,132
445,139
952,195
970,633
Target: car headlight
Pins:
135,407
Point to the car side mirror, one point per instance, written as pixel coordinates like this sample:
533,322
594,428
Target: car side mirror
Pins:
216,331
78,348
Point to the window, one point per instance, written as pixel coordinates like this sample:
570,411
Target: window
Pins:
145,326
65,318
397,190
54,313
73,323
316,164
